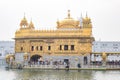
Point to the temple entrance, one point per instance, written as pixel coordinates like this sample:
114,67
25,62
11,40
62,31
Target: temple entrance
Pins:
66,61
35,58
85,60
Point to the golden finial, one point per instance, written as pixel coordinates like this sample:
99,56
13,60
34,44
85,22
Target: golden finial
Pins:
68,13
24,18
87,18
86,15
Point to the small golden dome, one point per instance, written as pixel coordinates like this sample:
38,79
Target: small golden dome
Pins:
31,25
104,56
24,22
9,55
25,54
68,22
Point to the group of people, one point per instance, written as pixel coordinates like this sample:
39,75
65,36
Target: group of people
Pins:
109,63
47,62
113,62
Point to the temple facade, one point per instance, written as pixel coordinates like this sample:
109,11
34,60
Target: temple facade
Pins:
70,42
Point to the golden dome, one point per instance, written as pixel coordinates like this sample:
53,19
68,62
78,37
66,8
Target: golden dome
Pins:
7,56
31,25
24,22
68,22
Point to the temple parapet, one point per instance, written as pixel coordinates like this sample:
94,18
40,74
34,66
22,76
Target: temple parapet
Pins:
53,33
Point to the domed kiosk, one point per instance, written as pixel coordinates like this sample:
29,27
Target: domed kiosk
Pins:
68,23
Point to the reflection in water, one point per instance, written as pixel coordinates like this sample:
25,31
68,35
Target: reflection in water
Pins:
58,75
53,74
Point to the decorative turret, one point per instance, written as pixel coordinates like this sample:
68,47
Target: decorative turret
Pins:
68,23
31,25
86,22
24,23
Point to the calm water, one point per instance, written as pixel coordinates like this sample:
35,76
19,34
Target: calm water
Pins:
58,75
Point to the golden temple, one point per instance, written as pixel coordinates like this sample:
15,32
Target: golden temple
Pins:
69,39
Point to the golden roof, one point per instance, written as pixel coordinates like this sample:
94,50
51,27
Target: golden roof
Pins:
24,22
68,22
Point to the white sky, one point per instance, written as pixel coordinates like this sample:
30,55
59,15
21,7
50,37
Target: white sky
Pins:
105,15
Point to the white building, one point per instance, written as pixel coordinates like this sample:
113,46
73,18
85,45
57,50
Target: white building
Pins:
105,46
112,49
6,47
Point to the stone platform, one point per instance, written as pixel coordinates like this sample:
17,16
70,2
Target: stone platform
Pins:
63,68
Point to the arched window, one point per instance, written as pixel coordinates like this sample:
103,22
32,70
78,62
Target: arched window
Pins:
41,48
49,47
21,48
65,47
32,48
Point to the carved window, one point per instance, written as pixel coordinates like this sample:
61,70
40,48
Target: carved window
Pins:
37,48
41,48
65,47
21,48
49,47
72,47
60,47
0,54
32,48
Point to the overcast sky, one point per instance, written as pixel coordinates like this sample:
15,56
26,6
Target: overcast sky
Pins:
104,14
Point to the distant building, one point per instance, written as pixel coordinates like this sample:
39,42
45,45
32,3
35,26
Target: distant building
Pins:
106,46
6,47
111,48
